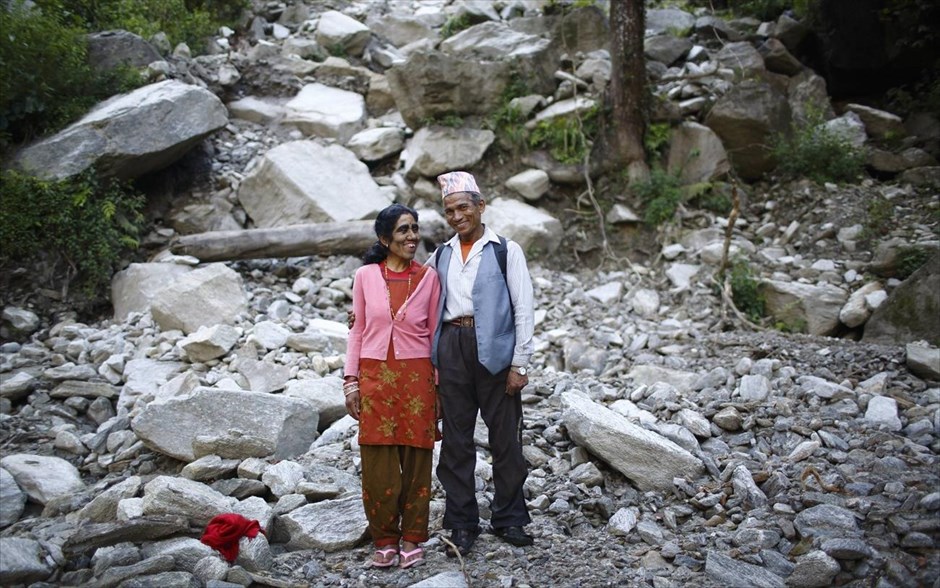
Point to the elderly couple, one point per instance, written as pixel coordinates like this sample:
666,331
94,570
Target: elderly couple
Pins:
448,339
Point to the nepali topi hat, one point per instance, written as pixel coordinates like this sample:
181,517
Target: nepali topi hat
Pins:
458,181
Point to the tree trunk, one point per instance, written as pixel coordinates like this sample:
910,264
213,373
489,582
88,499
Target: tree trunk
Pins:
625,124
349,238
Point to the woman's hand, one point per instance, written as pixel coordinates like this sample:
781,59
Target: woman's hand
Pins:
351,392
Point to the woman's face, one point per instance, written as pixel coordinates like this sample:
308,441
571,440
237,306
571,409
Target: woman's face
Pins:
405,237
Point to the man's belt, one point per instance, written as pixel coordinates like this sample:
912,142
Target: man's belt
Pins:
462,321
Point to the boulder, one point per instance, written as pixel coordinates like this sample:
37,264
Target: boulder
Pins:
42,477
324,111
745,119
536,231
133,288
287,187
177,116
911,312
207,296
649,460
431,84
696,154
285,425
804,308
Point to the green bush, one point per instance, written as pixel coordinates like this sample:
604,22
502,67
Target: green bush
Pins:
745,291
812,151
184,21
507,121
85,223
44,75
455,24
910,259
713,197
661,195
656,139
566,139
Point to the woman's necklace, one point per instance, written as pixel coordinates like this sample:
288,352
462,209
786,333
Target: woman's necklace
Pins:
388,294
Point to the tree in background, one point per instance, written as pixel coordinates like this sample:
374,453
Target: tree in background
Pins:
626,102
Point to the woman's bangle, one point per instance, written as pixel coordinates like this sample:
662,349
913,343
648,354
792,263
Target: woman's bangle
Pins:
350,388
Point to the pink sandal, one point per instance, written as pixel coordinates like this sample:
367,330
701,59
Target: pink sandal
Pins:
411,558
389,554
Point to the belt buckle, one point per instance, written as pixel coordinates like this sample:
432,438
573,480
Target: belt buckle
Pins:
464,321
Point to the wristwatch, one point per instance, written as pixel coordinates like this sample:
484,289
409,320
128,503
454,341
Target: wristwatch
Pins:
521,370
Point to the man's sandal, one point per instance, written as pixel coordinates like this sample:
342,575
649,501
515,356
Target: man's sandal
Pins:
385,557
411,558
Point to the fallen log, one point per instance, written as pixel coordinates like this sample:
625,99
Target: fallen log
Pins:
340,238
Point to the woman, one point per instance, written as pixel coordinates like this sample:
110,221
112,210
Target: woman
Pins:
390,386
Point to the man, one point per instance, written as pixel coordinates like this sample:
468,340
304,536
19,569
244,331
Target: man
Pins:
481,350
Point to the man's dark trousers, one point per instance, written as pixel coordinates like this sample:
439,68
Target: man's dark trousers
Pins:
466,387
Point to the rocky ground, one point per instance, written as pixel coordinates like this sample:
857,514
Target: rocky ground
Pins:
834,488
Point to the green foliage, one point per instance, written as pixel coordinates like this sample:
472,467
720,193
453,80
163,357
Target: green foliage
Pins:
449,119
921,96
745,291
661,195
812,151
507,121
880,214
910,259
184,21
710,197
81,221
566,139
656,139
44,76
455,24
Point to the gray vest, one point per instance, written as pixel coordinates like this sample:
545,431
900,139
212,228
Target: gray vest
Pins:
492,312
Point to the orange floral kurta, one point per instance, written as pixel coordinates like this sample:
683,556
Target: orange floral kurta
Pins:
398,396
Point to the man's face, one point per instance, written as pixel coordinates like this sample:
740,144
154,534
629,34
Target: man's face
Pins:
464,216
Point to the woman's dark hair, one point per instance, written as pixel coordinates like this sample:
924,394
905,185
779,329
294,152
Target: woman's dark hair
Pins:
384,226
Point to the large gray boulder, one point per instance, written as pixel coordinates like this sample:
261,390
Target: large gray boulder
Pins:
745,119
287,187
804,308
43,477
108,50
911,312
435,150
133,288
536,231
330,525
431,84
696,154
129,135
649,460
204,297
324,111
285,426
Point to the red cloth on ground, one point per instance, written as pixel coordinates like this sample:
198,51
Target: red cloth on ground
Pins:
224,530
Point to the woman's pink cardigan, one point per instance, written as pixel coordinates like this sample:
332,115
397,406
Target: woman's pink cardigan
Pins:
374,328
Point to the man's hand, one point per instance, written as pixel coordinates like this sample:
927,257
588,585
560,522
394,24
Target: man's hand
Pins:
350,318
515,382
